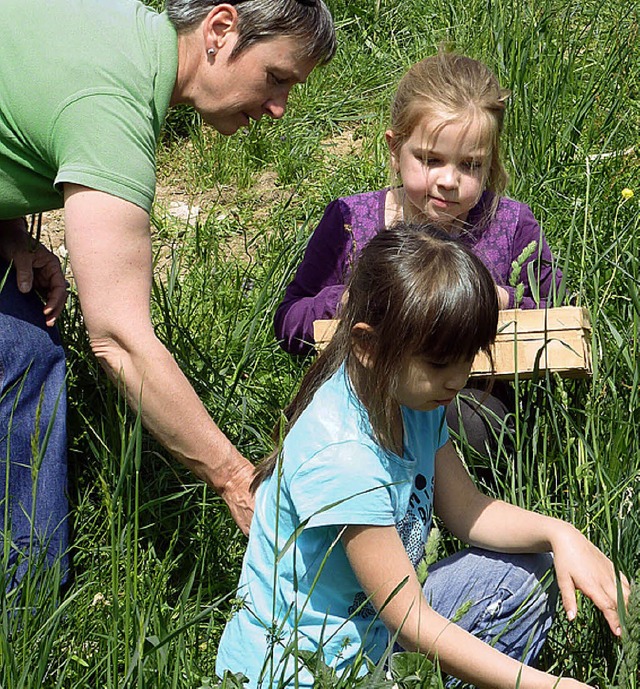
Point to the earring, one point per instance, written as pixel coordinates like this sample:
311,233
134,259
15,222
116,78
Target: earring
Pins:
211,52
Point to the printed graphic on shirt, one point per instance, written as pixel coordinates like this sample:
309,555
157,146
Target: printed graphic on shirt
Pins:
366,612
413,529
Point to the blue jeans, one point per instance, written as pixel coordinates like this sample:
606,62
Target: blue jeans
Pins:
512,598
33,444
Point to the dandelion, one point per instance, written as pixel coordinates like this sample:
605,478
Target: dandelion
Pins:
627,193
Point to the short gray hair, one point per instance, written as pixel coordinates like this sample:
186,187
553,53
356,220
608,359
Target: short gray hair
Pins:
308,21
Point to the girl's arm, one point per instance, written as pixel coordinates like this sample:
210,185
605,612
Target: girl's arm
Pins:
318,285
495,525
380,564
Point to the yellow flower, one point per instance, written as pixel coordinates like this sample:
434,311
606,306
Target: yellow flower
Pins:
627,193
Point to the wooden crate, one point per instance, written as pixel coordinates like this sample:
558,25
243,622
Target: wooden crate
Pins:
537,340
323,332
528,341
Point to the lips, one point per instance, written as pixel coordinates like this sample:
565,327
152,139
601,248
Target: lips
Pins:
441,203
252,118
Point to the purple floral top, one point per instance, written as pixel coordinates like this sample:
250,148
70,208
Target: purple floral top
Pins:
349,223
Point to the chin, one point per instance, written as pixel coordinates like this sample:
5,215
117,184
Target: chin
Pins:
226,127
425,406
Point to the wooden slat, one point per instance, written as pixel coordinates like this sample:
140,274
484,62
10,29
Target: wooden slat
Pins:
528,341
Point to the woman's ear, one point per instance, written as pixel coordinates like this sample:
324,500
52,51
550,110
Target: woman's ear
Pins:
394,152
362,341
221,21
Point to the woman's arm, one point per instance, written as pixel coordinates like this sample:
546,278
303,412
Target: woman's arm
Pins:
110,250
318,285
495,525
380,564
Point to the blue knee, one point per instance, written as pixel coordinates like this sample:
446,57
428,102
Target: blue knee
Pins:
506,600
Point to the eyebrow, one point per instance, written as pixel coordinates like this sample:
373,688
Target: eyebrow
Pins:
477,153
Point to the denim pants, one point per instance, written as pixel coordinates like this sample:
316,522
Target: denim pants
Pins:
33,444
512,598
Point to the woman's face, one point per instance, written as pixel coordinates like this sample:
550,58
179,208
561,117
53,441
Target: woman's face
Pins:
232,93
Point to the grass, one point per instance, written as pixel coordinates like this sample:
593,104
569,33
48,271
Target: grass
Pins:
155,554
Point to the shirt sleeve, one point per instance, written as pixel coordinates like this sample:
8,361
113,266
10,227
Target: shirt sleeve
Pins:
107,142
345,483
539,274
318,285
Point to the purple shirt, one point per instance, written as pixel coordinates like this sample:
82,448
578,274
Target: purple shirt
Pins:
349,224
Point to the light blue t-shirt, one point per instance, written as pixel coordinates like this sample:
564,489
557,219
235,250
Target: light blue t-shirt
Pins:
298,587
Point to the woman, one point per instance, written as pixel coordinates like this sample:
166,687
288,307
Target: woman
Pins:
84,90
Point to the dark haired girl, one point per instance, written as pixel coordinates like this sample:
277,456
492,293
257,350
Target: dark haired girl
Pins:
344,506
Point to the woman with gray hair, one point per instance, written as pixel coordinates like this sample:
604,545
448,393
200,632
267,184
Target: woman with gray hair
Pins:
85,89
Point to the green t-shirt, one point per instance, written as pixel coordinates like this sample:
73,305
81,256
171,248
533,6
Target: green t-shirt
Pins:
84,88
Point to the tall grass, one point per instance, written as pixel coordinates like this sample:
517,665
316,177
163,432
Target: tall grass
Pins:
155,555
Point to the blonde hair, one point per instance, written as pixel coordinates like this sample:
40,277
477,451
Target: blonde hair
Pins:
449,87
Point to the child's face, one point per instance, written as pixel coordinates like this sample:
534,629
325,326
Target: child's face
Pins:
442,168
425,385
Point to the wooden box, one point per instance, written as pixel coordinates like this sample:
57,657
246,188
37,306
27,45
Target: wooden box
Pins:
528,341
323,332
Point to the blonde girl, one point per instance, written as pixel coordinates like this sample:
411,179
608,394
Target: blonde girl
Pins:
443,139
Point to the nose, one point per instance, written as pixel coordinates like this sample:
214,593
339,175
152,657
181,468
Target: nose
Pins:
276,106
448,178
458,377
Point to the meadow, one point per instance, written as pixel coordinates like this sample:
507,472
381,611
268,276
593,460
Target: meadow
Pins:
155,554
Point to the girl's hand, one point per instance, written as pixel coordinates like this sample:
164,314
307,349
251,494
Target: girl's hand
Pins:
503,297
380,563
580,565
568,683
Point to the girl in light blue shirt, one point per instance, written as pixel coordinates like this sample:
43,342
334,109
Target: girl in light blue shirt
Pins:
344,506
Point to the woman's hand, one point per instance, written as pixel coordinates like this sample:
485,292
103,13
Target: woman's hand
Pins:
35,266
237,494
581,566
